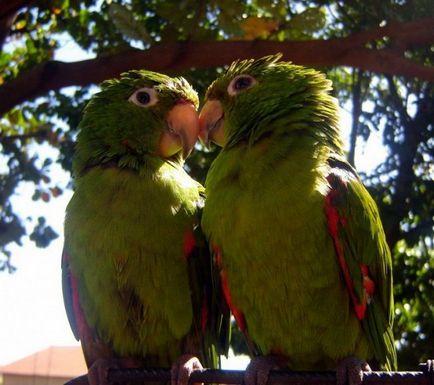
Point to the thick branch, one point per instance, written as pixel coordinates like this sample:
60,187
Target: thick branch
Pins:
349,51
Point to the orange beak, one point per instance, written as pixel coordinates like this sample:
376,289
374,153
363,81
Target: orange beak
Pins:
182,131
211,123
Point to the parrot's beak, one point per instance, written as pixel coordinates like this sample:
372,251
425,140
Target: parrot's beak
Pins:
182,130
211,123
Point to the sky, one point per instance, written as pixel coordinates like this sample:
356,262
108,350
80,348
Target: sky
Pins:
32,312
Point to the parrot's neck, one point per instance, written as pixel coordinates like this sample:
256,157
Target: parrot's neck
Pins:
302,132
250,165
144,164
280,144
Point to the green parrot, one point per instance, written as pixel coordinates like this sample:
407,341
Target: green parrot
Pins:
297,238
135,286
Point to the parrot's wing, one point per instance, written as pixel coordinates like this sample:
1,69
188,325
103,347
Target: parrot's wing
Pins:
211,314
93,347
223,297
364,257
68,294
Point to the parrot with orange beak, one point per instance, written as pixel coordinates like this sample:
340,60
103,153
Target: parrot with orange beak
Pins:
134,289
298,240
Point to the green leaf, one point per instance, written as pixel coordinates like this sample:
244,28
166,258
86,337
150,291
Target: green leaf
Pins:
21,24
306,23
127,24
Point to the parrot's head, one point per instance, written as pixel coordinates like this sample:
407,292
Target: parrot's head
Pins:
140,115
254,99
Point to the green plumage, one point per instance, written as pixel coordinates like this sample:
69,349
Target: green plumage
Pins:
266,212
126,226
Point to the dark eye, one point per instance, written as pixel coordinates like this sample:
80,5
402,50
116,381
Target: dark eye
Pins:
240,83
144,97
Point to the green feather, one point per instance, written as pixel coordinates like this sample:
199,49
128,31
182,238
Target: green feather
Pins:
109,120
125,228
364,241
266,211
297,103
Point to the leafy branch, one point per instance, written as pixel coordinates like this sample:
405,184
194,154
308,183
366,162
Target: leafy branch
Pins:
349,51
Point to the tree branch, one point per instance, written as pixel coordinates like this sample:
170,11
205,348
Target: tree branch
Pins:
169,57
12,6
357,110
8,13
40,134
406,177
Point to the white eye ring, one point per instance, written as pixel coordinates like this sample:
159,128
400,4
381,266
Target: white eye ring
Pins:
240,83
144,97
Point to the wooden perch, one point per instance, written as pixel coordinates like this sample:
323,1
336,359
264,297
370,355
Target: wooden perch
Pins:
140,376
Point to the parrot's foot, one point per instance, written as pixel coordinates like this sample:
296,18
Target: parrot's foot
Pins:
350,371
98,371
182,369
258,370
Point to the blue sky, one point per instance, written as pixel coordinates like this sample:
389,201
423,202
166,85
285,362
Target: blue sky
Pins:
32,315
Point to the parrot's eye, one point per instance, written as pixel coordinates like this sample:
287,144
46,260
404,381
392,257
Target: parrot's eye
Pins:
144,97
240,83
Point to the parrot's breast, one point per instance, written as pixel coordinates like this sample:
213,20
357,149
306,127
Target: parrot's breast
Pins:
268,221
125,234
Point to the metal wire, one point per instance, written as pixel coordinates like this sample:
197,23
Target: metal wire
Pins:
278,377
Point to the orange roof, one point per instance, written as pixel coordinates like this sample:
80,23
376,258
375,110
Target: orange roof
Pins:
56,361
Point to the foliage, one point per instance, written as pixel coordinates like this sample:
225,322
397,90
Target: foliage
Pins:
400,108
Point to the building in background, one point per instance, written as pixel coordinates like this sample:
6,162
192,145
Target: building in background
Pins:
53,366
